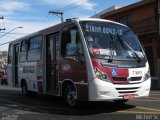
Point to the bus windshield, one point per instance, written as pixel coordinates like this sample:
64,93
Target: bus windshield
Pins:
111,41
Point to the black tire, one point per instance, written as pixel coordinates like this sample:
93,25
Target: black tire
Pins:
25,91
70,96
121,102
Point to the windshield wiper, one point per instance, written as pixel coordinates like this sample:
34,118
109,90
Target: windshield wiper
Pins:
123,42
110,53
112,44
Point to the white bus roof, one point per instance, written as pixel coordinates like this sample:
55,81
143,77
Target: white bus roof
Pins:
101,20
73,19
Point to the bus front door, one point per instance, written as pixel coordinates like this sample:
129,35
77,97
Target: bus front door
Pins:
52,68
16,53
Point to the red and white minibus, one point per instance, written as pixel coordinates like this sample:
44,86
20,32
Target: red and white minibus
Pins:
81,60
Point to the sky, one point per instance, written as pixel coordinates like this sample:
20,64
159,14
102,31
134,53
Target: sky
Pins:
33,15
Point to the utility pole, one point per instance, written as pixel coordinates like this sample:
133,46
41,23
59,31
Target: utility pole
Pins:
1,17
57,13
2,29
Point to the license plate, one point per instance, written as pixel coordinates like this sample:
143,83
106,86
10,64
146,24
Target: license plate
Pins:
129,96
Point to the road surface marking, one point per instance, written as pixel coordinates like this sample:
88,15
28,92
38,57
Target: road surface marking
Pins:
22,105
146,100
153,97
136,112
155,111
146,108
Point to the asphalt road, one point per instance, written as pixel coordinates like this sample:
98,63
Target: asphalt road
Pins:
13,106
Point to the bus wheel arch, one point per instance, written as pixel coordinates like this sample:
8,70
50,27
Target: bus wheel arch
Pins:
69,93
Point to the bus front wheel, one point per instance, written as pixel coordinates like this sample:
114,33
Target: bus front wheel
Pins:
70,96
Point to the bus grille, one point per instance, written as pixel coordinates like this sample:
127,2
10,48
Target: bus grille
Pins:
122,79
127,90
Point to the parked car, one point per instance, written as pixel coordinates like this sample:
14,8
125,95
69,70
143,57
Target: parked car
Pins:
4,80
1,73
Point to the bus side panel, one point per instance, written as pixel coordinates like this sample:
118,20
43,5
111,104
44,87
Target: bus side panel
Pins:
70,69
28,73
82,91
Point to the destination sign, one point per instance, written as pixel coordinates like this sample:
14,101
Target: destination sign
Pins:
103,30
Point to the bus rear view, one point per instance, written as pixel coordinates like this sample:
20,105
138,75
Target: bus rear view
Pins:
120,67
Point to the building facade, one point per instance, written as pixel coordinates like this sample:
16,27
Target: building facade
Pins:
143,18
3,59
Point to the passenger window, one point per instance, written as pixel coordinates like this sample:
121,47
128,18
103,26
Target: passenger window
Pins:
35,43
23,46
23,49
34,48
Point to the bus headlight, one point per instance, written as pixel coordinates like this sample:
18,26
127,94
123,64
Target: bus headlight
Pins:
147,76
100,75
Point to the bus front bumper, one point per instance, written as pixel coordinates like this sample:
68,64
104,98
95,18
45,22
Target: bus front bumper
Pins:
103,91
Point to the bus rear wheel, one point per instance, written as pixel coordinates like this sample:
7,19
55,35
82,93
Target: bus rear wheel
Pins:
70,96
25,89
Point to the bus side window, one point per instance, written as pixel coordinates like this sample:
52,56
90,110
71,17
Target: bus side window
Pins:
23,46
69,43
34,48
23,50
